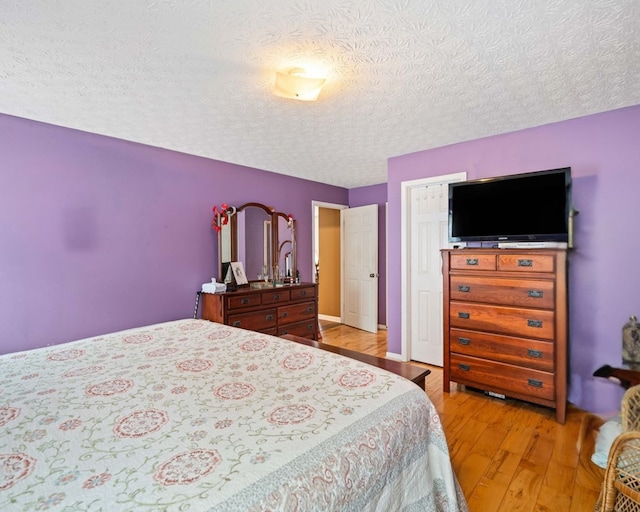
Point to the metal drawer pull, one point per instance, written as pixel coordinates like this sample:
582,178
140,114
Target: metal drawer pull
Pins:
464,367
284,314
245,300
464,288
466,316
534,383
534,353
309,309
525,263
284,332
276,296
269,317
464,341
237,323
472,261
534,323
535,294
303,293
309,327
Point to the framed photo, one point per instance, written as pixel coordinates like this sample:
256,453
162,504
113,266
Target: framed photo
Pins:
238,272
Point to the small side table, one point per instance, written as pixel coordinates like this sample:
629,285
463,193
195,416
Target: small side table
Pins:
625,377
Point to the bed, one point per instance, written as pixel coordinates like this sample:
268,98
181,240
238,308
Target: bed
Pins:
193,415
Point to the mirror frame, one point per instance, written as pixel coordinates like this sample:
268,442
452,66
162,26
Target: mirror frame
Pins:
275,239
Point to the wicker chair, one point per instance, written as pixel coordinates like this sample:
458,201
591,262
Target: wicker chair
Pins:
621,486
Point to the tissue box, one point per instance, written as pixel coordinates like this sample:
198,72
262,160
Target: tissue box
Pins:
214,287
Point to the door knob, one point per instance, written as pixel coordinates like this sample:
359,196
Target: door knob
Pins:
373,275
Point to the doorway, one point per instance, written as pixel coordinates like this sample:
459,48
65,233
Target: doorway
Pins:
346,267
327,259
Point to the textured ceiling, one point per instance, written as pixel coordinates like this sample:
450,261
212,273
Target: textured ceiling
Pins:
403,75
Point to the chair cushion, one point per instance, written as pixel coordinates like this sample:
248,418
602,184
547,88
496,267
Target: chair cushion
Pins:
606,435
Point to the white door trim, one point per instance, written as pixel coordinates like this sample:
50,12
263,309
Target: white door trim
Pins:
314,241
405,186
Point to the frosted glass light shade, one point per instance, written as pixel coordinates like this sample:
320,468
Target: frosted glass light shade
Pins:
297,86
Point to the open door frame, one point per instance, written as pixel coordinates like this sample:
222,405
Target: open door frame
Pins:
315,238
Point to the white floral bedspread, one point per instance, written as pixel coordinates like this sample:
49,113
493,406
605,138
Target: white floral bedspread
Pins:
192,415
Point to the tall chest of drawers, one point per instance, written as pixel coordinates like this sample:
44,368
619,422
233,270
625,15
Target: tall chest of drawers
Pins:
277,311
505,323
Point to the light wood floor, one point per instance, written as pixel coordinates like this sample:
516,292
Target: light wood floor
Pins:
508,455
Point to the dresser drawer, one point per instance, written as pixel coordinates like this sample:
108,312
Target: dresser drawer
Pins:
502,377
243,301
508,292
296,312
276,296
507,349
306,329
473,261
254,321
303,292
526,262
527,323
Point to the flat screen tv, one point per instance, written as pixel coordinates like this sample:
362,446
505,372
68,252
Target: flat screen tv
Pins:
528,207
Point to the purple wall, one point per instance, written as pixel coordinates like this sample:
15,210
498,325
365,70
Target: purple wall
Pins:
376,194
99,234
604,154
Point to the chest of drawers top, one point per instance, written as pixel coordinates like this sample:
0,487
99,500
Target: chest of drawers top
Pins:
503,260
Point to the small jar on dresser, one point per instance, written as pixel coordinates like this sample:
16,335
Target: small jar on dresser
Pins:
505,323
289,309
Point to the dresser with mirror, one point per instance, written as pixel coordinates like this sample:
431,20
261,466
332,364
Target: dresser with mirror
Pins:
273,301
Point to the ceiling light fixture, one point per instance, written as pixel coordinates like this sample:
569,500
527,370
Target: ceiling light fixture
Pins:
295,84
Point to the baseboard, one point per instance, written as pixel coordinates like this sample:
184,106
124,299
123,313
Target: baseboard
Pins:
395,357
337,319
330,318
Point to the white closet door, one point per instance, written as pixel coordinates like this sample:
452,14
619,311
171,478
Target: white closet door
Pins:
428,234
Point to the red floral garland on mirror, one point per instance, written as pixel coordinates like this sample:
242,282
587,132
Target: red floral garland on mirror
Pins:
221,216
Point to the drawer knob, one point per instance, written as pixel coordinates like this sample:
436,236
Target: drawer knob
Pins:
245,300
464,315
464,367
534,353
534,383
284,314
464,341
276,296
464,288
237,323
269,317
284,332
472,261
309,327
525,263
303,293
534,323
535,294
309,309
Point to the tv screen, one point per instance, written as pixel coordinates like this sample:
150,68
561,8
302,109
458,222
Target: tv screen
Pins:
533,206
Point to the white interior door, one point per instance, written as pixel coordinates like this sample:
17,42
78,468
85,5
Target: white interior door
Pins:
424,233
429,225
360,267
